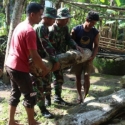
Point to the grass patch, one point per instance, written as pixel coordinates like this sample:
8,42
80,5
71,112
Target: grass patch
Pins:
101,85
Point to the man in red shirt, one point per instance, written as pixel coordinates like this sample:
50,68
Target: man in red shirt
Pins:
22,47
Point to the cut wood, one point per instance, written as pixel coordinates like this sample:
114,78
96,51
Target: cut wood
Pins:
67,59
96,111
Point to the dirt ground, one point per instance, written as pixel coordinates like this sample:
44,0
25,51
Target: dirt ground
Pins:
101,85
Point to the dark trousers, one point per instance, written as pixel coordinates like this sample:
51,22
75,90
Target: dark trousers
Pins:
58,82
21,83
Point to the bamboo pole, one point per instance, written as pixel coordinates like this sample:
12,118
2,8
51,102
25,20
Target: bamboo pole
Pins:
88,9
95,5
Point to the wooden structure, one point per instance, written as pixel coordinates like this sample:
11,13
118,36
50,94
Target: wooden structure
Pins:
111,45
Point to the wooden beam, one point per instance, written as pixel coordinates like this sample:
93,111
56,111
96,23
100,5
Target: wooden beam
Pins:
95,5
86,7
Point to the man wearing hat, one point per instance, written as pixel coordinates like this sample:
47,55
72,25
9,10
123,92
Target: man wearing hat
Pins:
45,49
86,36
59,37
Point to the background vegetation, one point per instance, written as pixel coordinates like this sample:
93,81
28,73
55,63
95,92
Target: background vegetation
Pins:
108,17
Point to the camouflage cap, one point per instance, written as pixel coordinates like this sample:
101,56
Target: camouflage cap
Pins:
50,12
63,13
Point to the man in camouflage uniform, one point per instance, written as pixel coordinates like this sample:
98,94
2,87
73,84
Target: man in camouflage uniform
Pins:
42,85
59,37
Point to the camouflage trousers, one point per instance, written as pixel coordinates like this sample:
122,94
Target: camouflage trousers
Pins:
58,81
43,88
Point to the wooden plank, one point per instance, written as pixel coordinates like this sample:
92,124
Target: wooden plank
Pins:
113,49
107,38
112,44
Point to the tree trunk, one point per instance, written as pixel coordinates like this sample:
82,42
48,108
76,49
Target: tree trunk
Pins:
7,16
42,2
62,4
67,59
16,16
58,4
95,112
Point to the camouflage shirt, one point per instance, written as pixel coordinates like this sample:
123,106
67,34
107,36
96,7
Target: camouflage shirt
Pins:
60,38
44,46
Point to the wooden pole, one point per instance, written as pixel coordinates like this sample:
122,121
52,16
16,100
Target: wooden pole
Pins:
16,17
94,5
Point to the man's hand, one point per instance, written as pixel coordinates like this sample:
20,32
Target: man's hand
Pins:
45,72
79,48
91,59
56,66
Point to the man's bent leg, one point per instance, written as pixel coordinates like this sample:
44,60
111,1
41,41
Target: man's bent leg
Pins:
29,102
79,87
30,114
58,82
26,88
12,121
88,69
47,88
77,70
86,84
41,90
14,96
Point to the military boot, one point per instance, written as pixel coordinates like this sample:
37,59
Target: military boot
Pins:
48,100
46,113
60,101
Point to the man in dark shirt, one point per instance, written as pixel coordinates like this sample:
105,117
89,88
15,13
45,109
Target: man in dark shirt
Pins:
86,36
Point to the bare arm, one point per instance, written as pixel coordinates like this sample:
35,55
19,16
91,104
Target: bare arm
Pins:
38,61
95,49
73,34
74,37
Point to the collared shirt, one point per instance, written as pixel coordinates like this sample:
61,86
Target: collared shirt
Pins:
60,38
44,46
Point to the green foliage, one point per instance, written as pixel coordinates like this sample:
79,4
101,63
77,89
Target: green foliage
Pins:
23,17
109,66
106,2
2,18
120,3
3,44
21,115
3,30
121,24
109,11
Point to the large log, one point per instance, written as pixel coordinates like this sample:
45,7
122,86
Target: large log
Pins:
96,111
67,59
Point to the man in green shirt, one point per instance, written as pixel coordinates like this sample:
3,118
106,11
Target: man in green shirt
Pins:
45,49
59,37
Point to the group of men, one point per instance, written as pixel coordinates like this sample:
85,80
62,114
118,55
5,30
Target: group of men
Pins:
47,39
